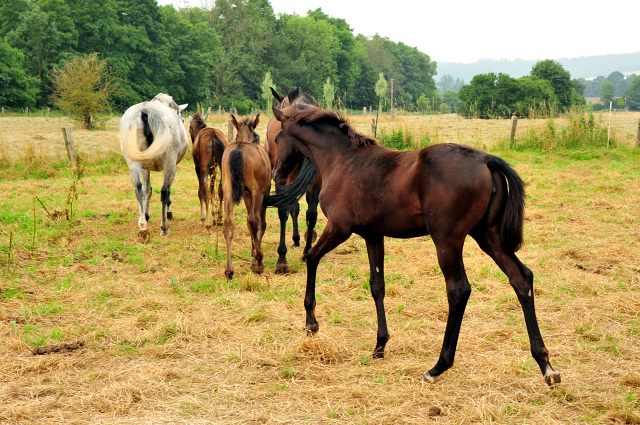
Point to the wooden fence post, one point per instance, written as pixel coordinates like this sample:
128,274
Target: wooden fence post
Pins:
364,111
373,126
70,145
3,112
638,143
27,112
209,111
230,132
514,123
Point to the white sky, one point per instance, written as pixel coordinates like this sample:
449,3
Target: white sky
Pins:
465,31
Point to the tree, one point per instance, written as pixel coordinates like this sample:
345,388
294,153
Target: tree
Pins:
381,90
84,87
559,78
267,85
446,83
361,93
607,90
17,88
450,97
328,92
632,94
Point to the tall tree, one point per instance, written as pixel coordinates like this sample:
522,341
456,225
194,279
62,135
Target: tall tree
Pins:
632,95
607,90
446,83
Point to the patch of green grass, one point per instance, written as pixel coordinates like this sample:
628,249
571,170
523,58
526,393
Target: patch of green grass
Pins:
44,309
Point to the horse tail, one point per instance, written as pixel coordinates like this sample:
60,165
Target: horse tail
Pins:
288,194
513,218
218,151
157,136
236,169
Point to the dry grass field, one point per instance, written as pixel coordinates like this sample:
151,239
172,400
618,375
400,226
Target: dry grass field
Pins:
162,337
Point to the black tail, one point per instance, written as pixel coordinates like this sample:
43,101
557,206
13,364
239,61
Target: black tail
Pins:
513,218
287,194
236,169
218,151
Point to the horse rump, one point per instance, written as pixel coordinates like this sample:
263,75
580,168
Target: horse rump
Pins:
156,132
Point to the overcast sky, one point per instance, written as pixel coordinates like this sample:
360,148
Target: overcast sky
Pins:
465,31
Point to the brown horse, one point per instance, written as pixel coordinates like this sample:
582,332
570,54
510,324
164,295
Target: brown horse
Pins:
295,96
447,191
208,147
246,173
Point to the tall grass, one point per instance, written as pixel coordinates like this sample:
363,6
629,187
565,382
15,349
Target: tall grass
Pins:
583,130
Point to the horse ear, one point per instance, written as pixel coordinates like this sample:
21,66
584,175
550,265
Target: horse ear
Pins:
256,121
276,95
190,118
182,107
205,118
234,122
278,114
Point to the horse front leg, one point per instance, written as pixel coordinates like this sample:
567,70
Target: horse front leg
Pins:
331,238
312,219
254,225
228,235
211,195
375,250
165,196
295,211
282,266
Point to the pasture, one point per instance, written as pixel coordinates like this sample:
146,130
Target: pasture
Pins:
165,338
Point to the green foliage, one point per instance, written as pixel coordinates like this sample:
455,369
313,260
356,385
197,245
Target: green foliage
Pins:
17,89
267,85
328,92
632,95
446,83
450,97
84,87
560,81
607,89
490,95
381,89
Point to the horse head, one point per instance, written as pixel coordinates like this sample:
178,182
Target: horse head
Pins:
246,129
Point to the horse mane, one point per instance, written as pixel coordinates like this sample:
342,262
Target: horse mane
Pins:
196,117
295,94
317,115
167,100
248,121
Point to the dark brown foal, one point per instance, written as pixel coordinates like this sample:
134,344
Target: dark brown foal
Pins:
208,148
447,191
246,173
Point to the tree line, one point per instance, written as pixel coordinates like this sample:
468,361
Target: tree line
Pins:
215,56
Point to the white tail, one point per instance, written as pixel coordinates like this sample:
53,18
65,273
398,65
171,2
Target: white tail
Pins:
131,148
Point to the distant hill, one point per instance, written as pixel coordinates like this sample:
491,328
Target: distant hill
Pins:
582,67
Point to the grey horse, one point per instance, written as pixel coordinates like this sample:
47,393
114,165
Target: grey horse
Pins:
153,138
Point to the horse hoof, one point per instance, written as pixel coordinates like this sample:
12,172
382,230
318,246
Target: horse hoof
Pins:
552,378
207,226
296,243
165,232
228,274
312,329
143,236
282,268
378,354
169,215
428,378
304,258
257,268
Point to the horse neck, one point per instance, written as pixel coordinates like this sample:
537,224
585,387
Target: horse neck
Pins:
324,152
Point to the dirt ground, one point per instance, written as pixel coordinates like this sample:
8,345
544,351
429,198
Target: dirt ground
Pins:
155,333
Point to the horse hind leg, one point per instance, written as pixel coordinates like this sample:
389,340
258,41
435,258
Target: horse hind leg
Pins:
254,225
228,228
521,280
458,292
136,175
295,211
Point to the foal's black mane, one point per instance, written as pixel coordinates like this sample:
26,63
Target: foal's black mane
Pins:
198,119
297,94
249,123
316,116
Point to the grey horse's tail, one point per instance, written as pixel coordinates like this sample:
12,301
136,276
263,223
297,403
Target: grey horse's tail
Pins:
156,135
